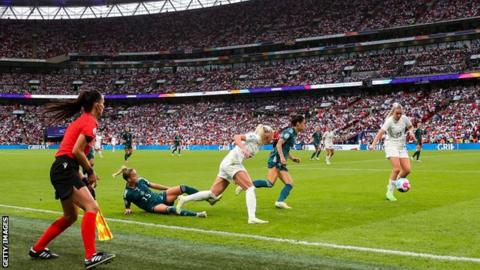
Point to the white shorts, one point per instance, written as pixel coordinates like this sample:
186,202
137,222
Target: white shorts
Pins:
395,152
329,146
227,171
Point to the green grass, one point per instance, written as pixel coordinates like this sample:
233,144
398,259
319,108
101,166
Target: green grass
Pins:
342,204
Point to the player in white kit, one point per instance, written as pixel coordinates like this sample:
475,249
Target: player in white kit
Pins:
327,141
98,145
396,127
114,143
232,170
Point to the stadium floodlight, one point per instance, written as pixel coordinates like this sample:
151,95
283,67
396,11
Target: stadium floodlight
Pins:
8,10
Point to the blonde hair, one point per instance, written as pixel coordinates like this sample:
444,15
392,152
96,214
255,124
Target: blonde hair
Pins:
125,172
395,106
262,129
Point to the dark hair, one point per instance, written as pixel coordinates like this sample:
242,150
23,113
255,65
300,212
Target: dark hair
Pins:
66,108
296,118
126,172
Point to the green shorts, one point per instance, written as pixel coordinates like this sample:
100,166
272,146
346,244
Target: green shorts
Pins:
274,162
128,146
277,165
160,199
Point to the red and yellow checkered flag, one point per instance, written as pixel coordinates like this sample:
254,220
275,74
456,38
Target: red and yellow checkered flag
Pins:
103,230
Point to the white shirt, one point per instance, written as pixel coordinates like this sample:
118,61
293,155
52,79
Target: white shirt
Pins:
98,139
114,141
252,144
328,137
396,131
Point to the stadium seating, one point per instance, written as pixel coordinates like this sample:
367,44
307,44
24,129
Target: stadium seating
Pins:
450,114
431,59
249,22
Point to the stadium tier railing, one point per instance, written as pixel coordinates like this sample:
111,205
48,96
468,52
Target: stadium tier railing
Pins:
391,81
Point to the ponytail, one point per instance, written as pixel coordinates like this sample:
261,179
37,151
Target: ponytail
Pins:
125,172
65,109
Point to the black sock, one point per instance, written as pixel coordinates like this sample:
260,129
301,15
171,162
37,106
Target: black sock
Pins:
318,153
418,155
313,155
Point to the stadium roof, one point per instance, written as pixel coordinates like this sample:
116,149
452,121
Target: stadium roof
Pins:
88,9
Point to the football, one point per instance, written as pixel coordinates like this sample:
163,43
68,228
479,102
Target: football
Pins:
403,185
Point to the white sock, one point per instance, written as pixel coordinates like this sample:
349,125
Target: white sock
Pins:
251,200
200,196
391,185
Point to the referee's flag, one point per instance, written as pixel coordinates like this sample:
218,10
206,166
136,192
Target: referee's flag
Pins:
103,230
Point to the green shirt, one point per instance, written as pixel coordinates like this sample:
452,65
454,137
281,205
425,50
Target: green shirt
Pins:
127,137
142,196
418,134
317,137
288,136
177,140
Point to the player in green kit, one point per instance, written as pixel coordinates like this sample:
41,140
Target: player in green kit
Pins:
176,144
127,138
277,161
418,136
317,138
137,191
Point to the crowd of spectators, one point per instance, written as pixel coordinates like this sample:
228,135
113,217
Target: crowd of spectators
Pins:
449,57
236,24
448,115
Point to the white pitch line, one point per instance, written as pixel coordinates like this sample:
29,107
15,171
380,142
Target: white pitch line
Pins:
388,170
274,239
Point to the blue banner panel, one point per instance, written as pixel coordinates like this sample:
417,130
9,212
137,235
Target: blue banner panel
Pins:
410,147
435,146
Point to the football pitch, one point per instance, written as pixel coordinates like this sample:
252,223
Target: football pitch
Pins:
340,218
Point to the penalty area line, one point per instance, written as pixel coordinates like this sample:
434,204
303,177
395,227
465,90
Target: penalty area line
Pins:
272,239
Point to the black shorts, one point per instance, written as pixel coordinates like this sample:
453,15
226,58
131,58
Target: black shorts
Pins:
64,176
420,144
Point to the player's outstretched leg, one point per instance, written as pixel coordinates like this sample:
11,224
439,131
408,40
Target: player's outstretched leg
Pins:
188,190
257,184
163,209
205,195
212,196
